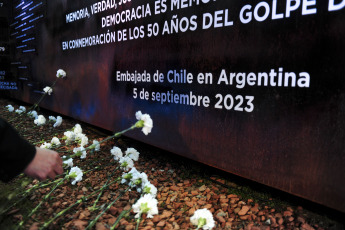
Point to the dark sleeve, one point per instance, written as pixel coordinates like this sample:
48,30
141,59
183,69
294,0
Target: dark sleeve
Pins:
15,152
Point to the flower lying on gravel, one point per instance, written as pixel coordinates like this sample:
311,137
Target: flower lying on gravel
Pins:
126,163
46,145
95,145
127,177
58,122
33,114
135,179
55,141
40,120
82,139
203,218
146,204
116,152
22,108
76,174
68,163
69,136
132,153
77,129
144,121
60,73
48,90
19,111
10,108
149,188
80,152
52,118
139,180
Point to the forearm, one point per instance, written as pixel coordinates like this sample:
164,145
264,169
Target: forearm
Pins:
15,152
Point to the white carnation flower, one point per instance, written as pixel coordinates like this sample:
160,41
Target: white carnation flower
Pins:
96,145
80,151
10,108
145,122
79,136
203,218
82,138
19,111
132,153
33,114
68,163
46,145
52,118
126,163
77,129
146,204
40,120
127,177
139,180
76,174
116,152
84,141
70,136
149,188
60,73
55,141
48,90
22,108
58,122
135,179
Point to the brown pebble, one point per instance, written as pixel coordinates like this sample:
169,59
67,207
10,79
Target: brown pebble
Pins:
287,213
191,211
300,219
194,193
220,219
34,226
244,210
156,219
100,226
246,217
113,211
222,200
202,188
280,221
161,223
130,227
306,226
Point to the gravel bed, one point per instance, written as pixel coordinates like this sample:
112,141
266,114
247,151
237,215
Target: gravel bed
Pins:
184,186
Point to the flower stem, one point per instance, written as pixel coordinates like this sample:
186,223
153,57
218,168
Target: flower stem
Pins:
119,218
138,222
40,185
102,141
34,106
26,193
39,100
59,182
117,134
100,194
84,198
11,206
94,221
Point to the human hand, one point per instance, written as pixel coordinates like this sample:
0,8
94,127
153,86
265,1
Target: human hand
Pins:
46,164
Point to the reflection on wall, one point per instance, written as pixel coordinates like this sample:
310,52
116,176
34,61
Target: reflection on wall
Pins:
27,16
